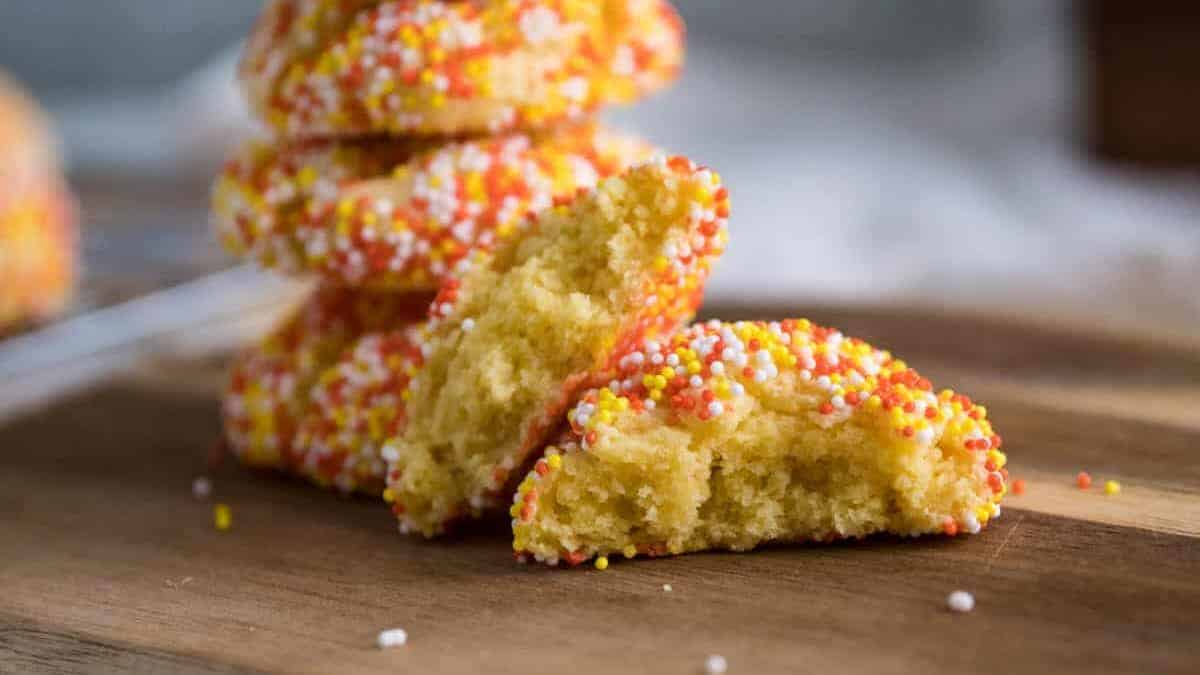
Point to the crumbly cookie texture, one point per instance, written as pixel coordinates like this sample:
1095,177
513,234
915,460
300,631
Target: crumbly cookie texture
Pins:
525,327
401,214
429,67
269,384
731,435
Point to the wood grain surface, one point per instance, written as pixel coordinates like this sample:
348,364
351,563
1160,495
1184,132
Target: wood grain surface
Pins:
108,564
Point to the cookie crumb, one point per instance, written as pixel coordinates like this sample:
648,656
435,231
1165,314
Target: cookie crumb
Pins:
960,601
394,637
201,488
715,665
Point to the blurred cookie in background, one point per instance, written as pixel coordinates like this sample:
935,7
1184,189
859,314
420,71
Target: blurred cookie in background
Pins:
38,237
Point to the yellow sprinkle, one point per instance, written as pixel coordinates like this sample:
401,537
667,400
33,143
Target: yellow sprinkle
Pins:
389,495
222,517
629,551
514,510
1112,487
555,461
306,177
983,513
602,563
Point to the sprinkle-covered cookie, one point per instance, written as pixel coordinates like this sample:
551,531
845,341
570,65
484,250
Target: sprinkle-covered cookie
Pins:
355,407
522,331
269,385
732,435
320,68
38,239
400,215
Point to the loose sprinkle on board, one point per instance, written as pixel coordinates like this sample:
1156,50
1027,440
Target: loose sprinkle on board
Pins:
222,517
960,601
715,665
1083,480
201,488
1018,487
1112,487
667,588
394,637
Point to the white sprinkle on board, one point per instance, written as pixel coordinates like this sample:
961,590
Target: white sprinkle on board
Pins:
715,665
394,637
960,601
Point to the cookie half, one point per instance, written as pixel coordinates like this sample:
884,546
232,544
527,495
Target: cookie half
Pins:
530,324
729,436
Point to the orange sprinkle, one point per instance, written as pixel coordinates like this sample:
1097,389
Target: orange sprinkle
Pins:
1083,480
950,527
1018,486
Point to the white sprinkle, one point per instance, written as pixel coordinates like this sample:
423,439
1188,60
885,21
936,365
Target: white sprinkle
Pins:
696,381
666,588
715,408
960,601
468,325
717,368
972,524
201,488
396,637
715,665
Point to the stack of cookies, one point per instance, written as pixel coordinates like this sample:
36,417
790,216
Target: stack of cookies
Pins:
406,135
554,376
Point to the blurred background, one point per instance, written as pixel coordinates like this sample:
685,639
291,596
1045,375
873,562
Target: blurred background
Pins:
1025,157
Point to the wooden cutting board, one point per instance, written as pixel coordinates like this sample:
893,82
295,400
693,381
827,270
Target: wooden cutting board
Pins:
108,564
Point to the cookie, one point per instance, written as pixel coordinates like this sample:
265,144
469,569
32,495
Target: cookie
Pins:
515,338
269,384
428,67
38,236
355,407
400,215
729,436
